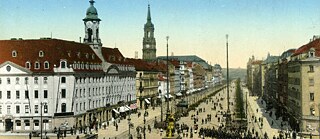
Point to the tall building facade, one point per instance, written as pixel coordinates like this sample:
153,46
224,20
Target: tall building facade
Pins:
79,84
149,42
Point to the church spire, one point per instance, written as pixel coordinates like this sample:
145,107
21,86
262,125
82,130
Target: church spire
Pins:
149,15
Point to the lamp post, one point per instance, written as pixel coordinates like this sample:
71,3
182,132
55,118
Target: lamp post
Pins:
144,124
41,104
168,111
228,116
140,89
319,119
160,94
129,119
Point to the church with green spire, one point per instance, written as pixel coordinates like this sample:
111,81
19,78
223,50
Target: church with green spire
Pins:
149,42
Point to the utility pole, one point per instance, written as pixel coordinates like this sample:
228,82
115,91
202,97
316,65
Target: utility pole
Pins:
228,115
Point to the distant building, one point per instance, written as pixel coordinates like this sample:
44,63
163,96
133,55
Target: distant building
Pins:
254,76
149,42
217,75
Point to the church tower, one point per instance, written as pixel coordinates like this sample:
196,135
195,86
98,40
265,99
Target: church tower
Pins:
91,23
149,42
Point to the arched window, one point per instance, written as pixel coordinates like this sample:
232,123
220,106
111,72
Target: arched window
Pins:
37,65
46,65
28,65
41,53
89,35
97,33
63,64
14,53
63,107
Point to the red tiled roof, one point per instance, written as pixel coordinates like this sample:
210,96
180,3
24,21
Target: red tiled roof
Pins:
314,44
113,55
142,65
256,62
54,50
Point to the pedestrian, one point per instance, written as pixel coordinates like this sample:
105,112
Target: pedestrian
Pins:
116,127
272,123
30,136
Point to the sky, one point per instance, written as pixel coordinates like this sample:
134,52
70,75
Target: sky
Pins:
194,27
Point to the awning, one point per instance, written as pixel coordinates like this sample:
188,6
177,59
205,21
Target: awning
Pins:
179,94
170,96
127,108
123,109
133,106
147,101
116,111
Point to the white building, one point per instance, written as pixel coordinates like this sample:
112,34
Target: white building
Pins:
67,82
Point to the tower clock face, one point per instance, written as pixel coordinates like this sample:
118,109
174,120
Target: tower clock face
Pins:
89,24
147,45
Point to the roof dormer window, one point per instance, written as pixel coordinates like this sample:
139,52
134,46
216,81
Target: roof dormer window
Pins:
312,52
79,54
92,56
37,65
63,64
46,65
14,53
41,53
28,65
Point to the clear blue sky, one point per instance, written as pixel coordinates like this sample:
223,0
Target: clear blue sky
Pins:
194,26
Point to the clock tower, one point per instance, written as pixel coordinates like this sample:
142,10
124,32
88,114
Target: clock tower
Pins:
91,23
149,42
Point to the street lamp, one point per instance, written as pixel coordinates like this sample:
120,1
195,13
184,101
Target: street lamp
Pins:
144,126
168,111
41,104
228,116
129,119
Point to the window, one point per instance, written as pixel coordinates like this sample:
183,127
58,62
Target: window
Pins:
63,107
14,53
0,81
36,108
0,94
26,108
311,68
17,80
27,122
36,94
41,53
18,123
17,94
45,93
46,65
311,82
8,109
8,95
28,65
37,65
312,111
45,108
80,106
36,122
311,96
45,80
26,94
84,105
63,79
0,109
8,81
17,109
63,93
77,107
26,80
35,80
63,64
